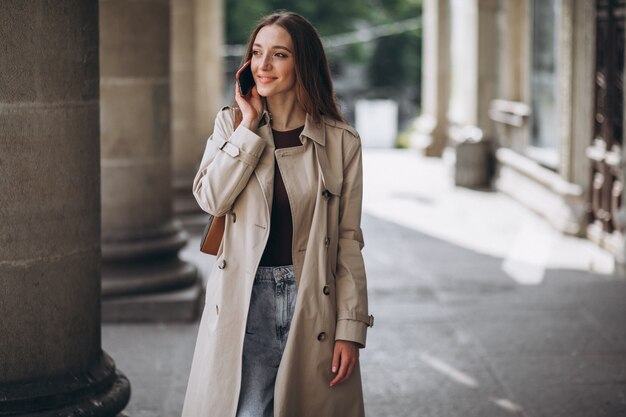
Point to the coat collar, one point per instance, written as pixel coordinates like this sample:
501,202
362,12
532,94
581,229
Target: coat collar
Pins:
312,130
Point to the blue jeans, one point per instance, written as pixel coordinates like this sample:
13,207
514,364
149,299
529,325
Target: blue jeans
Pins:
269,318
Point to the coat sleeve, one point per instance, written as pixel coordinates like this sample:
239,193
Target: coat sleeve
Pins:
228,161
351,284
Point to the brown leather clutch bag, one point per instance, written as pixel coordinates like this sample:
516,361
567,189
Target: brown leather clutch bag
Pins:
212,235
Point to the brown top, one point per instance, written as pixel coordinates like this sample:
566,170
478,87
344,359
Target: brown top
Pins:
278,249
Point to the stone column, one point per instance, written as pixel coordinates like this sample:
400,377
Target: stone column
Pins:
197,85
51,360
513,50
513,70
463,63
209,20
432,126
487,63
143,278
474,85
474,63
184,139
576,89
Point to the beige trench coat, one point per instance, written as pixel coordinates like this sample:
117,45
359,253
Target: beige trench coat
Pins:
323,179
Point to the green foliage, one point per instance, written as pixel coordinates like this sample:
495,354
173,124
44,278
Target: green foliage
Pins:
328,16
392,60
396,60
385,11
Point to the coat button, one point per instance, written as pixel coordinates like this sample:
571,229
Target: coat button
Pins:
326,290
222,264
326,194
327,242
234,217
321,336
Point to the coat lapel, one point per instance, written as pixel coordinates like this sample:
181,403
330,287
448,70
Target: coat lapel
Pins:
265,168
317,133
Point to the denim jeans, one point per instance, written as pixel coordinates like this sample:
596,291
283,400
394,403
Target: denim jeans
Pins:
271,309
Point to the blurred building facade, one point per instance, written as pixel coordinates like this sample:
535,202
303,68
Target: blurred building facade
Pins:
543,81
105,108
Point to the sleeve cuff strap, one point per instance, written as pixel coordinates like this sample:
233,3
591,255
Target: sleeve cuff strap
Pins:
351,330
235,152
353,315
243,144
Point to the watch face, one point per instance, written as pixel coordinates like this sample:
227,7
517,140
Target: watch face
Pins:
245,79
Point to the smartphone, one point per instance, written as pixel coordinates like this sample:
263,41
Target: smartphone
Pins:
245,79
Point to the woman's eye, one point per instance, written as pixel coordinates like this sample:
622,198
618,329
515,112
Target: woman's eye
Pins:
257,53
281,55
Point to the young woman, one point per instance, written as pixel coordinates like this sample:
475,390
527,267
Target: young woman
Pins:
286,302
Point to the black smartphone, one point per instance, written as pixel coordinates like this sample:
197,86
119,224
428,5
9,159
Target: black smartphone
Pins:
245,79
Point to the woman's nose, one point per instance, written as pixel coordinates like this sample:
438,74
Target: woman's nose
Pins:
266,63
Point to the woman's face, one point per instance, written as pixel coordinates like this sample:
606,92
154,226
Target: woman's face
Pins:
273,65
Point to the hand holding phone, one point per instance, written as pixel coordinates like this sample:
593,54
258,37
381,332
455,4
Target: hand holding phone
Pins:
248,98
245,79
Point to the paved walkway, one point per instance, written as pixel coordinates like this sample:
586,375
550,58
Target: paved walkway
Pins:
481,310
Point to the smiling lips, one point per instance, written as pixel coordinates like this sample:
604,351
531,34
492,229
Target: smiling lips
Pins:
265,79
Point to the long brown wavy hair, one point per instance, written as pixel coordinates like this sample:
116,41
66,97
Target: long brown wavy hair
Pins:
314,85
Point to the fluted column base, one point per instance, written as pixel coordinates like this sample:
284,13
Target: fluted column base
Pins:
101,391
430,137
435,148
143,279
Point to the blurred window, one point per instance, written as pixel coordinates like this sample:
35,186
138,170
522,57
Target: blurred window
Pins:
544,82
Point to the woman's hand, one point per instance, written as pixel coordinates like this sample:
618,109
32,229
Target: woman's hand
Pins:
251,107
345,358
